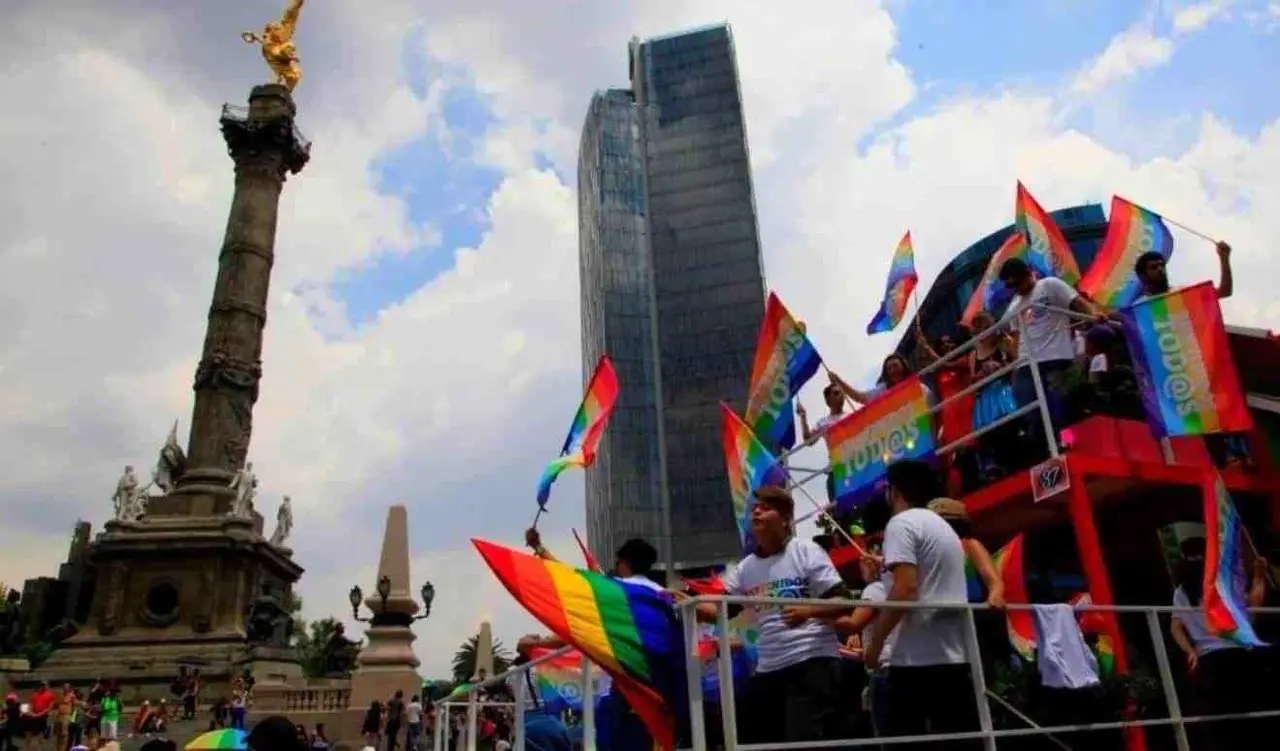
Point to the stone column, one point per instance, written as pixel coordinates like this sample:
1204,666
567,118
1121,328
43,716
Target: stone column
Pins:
266,146
387,663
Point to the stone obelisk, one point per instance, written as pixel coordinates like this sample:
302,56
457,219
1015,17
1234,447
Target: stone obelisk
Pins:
266,147
484,653
387,663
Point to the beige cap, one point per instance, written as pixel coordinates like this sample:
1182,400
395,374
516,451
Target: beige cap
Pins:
949,508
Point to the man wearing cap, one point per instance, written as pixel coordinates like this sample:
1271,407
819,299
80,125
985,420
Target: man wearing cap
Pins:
797,693
926,560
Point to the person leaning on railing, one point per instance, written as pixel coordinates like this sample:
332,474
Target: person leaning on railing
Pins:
798,690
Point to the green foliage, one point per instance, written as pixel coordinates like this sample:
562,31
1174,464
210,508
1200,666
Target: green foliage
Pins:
464,660
309,642
37,653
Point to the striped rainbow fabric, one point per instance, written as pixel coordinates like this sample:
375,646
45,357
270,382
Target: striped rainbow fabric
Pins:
1131,232
1184,365
1225,578
784,361
749,466
1048,251
902,282
587,429
629,630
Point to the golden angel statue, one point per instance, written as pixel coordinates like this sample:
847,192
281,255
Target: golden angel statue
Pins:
278,48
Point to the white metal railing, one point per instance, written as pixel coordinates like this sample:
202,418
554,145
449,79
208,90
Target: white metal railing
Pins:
986,731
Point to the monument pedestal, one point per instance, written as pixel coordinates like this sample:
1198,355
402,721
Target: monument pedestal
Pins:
171,591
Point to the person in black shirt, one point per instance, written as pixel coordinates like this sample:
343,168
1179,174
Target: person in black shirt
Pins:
395,718
10,723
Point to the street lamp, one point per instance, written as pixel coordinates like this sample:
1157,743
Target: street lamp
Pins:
380,616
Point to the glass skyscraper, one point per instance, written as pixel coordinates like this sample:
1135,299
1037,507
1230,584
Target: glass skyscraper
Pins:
672,291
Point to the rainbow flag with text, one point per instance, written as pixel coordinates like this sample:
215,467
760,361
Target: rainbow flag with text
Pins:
749,466
1131,232
1184,366
1047,250
1225,578
785,360
559,680
902,282
893,426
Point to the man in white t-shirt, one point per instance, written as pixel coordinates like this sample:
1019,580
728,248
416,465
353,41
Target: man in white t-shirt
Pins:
929,686
1044,336
798,691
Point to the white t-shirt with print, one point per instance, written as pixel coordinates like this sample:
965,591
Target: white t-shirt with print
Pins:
921,538
1197,627
801,570
1048,332
820,427
877,591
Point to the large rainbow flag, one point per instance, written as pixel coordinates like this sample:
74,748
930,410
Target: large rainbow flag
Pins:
629,630
785,360
1225,577
559,680
1131,232
1048,251
893,426
588,427
1181,357
1022,625
902,282
991,293
749,466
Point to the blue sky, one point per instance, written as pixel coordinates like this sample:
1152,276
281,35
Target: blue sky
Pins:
953,48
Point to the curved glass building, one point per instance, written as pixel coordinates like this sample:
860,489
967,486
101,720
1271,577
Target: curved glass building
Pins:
672,291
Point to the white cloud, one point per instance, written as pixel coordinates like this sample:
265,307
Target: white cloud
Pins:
1194,17
450,400
1128,53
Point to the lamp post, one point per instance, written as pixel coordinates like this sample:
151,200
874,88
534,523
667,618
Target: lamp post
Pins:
380,616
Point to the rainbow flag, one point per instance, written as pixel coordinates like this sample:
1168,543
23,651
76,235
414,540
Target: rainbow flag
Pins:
785,360
559,680
588,427
902,282
1048,251
1184,365
749,466
893,426
1131,232
460,690
1022,625
629,630
990,293
1225,578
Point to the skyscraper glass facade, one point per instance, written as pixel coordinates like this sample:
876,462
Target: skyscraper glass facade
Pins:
696,252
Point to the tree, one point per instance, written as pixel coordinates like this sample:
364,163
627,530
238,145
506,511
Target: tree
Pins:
464,660
310,645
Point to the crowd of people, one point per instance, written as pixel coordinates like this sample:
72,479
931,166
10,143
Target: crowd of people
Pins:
1078,348
850,670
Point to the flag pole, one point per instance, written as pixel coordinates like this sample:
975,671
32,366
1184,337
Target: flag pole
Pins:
822,511
1187,229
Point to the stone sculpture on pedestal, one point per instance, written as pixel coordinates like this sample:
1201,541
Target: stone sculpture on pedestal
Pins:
124,500
284,522
172,462
245,484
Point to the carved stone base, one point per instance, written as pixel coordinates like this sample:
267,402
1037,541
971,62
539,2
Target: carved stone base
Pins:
270,665
170,591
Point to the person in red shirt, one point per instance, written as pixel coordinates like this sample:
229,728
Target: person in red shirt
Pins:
41,704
